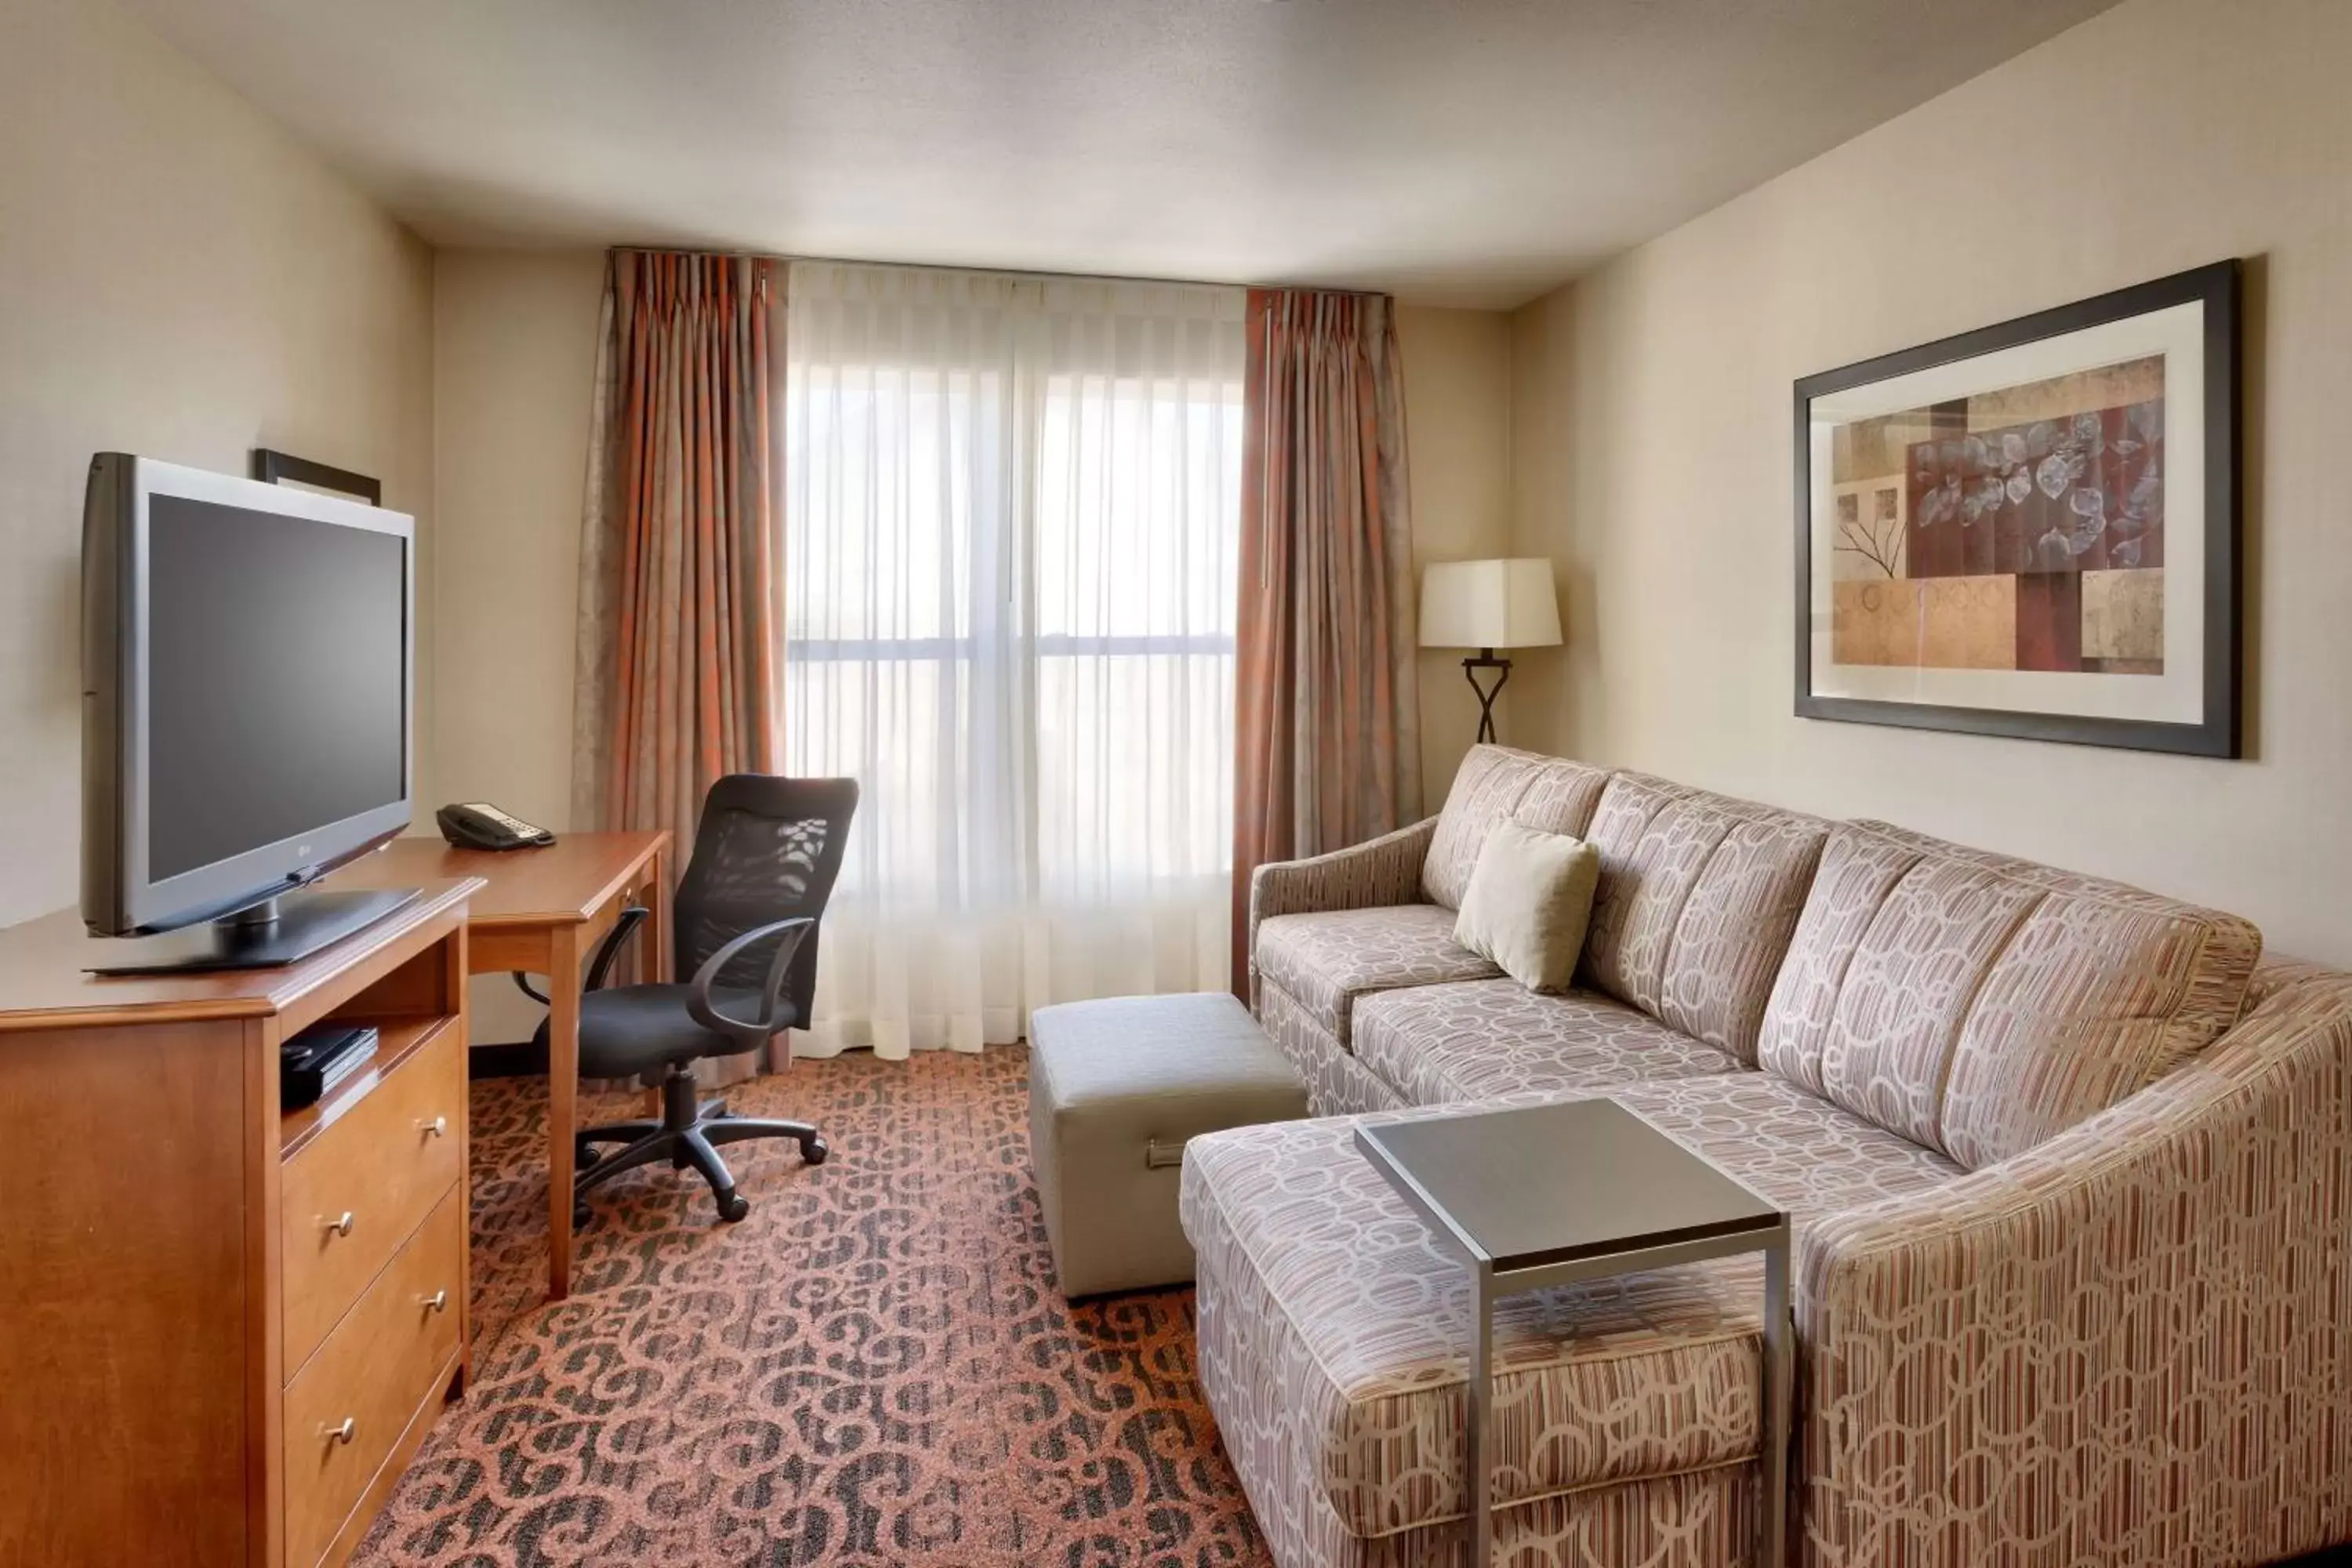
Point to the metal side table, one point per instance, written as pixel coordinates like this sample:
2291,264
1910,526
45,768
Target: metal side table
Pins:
1552,1195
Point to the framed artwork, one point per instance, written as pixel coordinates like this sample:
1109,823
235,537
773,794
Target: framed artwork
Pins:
2032,530
285,468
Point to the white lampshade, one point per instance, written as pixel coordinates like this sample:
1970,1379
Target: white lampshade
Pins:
1489,603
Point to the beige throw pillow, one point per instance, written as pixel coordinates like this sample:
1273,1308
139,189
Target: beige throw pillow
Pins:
1528,902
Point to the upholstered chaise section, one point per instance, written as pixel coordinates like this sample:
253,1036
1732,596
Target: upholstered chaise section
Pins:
2131,1344
1979,1005
1334,1337
1496,1041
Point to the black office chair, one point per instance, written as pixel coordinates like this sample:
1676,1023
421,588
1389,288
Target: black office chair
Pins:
766,854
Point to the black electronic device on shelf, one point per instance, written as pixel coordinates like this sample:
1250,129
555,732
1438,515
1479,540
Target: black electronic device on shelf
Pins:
320,1058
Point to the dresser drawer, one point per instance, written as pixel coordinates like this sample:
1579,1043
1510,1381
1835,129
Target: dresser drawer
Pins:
384,1360
385,1163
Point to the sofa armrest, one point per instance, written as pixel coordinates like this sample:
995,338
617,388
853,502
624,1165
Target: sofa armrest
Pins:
1377,872
2130,1344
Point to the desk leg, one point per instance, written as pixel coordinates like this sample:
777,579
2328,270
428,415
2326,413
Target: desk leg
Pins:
1476,1462
562,1102
659,951
1779,1374
658,937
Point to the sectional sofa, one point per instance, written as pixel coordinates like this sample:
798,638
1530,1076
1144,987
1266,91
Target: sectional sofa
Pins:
2071,1170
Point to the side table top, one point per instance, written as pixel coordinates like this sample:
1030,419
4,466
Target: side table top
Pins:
1543,1184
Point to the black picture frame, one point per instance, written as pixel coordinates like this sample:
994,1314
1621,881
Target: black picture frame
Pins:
273,467
2216,288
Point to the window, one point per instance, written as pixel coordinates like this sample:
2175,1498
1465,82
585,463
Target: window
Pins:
1012,520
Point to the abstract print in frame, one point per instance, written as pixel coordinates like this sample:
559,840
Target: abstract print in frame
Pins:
2032,530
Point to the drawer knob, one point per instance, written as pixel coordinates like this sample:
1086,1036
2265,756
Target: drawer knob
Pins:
437,1128
438,1302
341,1224
345,1432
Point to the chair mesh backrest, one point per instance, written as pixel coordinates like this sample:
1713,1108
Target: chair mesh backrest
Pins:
767,849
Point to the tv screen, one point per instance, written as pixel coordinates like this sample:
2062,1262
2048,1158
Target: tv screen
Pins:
277,679
245,653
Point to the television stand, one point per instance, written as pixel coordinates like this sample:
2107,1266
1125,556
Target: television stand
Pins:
267,935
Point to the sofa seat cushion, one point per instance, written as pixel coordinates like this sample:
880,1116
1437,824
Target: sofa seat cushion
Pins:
1359,1324
1325,961
1494,1040
1981,1004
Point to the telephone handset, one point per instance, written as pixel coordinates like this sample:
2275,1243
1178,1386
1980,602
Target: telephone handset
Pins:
480,826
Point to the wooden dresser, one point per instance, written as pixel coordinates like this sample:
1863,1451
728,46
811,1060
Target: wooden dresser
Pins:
224,1330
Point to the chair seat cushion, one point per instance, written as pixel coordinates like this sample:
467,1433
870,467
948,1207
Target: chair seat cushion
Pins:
629,1030
1325,961
1336,1309
1494,1040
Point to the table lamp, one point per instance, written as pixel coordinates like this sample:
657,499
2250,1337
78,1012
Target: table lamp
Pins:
1488,605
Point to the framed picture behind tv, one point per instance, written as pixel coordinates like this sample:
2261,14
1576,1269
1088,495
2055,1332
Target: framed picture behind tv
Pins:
2032,530
274,467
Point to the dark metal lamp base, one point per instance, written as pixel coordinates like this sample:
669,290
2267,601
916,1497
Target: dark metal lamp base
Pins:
1486,694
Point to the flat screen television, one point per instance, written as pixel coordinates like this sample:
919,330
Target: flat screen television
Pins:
247,702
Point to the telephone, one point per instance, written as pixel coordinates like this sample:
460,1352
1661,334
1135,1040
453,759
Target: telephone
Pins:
480,826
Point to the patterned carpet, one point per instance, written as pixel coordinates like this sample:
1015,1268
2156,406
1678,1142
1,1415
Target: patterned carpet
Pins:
873,1368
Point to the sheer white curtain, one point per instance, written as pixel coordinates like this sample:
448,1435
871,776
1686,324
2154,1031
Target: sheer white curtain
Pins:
1012,514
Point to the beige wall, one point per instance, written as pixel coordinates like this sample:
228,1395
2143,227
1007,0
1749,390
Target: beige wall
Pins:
180,279
514,355
515,351
1457,396
1652,443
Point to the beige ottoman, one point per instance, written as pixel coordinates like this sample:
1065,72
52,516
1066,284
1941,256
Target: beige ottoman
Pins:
1114,1089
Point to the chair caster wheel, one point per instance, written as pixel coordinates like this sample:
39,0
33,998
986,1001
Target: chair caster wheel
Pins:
584,1158
812,1151
733,1206
580,1217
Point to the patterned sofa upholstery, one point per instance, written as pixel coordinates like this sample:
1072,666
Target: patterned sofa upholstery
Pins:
1698,896
2070,1176
1329,932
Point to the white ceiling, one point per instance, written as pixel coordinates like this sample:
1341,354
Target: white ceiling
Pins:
1453,152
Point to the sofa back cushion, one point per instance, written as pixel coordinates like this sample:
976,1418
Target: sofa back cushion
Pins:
1495,784
1698,897
1977,1005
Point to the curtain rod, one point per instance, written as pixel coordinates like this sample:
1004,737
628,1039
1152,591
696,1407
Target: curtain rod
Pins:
998,272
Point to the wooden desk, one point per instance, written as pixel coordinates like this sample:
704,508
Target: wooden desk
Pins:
542,911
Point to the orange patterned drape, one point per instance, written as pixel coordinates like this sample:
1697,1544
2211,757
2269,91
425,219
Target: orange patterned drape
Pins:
1327,708
681,627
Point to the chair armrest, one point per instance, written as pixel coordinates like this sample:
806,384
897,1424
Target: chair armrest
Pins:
2133,1336
753,1033
601,965
1379,871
